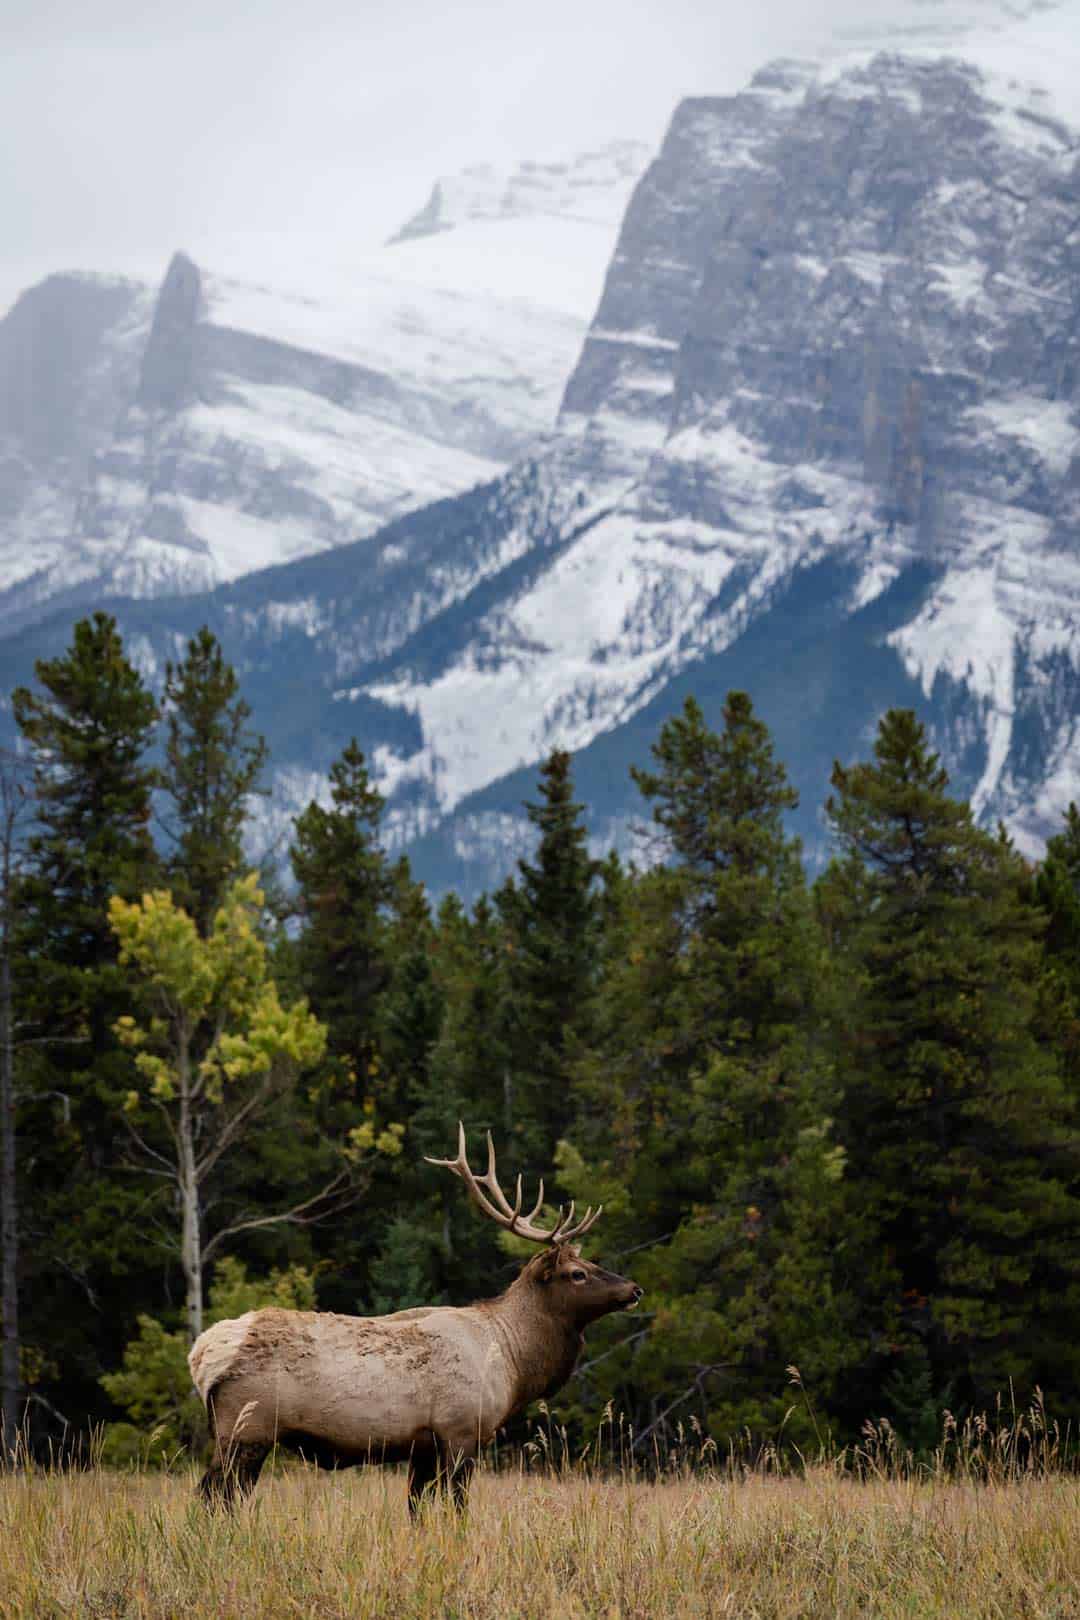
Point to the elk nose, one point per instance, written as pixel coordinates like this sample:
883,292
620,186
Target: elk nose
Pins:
639,1293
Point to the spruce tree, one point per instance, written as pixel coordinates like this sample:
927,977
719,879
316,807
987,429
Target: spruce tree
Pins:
736,878
707,1123
718,796
89,730
1057,892
15,806
464,1076
411,1006
89,724
352,940
411,1254
213,762
344,885
552,917
961,1139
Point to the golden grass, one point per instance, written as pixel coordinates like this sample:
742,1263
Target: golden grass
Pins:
103,1546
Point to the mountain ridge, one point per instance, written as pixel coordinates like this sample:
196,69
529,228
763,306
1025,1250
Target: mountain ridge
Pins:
821,440
215,426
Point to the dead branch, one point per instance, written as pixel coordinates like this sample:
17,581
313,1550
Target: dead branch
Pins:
336,1197
694,1389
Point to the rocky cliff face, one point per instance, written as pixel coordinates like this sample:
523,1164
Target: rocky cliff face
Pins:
70,355
165,440
840,329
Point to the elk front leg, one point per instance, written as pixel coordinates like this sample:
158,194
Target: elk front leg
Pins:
460,1479
456,1467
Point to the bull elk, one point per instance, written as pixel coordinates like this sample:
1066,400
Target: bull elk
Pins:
428,1386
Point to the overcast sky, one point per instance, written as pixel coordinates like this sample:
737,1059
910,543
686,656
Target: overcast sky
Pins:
240,129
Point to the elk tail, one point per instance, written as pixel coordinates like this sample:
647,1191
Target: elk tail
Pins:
215,1354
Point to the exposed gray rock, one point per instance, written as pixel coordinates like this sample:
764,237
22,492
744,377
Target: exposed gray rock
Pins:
57,399
163,440
167,382
839,332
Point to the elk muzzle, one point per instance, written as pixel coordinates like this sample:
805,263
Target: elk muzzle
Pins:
612,1292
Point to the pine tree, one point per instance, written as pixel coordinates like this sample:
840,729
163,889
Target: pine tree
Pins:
409,1254
212,766
15,806
471,1061
707,1127
1057,887
89,726
463,1077
719,797
89,731
345,884
411,1006
342,962
960,1137
1057,892
552,916
737,879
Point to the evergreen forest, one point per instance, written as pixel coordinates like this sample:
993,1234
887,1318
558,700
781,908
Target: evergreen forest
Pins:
834,1121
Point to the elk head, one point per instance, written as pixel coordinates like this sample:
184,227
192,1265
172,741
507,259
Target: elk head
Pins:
574,1289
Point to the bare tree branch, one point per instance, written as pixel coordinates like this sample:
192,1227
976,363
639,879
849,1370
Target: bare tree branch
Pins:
230,1129
80,1280
164,1112
151,1153
199,1083
587,1366
651,1243
694,1389
299,1215
54,1096
47,1406
51,1040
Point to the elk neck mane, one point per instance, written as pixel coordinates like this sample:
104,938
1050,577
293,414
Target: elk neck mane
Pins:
542,1345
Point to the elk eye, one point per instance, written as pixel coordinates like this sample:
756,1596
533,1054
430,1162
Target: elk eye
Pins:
577,1276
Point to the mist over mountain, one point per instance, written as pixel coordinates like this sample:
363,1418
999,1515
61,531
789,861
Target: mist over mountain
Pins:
819,440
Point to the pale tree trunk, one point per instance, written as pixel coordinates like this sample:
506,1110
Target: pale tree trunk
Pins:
190,1236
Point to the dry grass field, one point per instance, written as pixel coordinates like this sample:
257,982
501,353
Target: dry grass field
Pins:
103,1546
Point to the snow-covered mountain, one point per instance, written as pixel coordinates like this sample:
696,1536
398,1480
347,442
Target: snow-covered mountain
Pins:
161,440
840,339
592,189
822,440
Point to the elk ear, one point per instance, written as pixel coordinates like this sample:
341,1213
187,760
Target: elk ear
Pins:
547,1264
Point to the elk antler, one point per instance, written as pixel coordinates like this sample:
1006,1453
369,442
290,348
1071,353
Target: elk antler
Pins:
497,1206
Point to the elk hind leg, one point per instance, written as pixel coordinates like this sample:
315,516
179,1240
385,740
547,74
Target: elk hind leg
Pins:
424,1470
233,1473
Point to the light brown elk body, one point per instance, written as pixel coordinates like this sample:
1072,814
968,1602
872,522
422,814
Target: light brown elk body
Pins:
429,1386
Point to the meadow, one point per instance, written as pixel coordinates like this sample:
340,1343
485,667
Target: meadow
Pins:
553,1545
